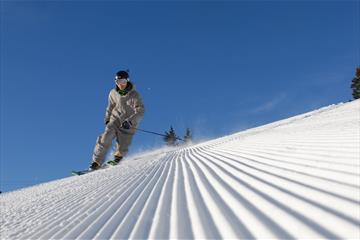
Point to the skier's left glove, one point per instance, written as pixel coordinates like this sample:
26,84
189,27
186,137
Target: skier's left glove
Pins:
126,125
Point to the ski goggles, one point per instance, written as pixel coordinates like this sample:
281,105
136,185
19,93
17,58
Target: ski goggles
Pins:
121,80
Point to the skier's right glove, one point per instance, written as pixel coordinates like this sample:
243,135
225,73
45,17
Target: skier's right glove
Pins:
106,123
126,125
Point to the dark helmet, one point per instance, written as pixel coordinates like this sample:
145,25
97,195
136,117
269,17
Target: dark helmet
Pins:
122,74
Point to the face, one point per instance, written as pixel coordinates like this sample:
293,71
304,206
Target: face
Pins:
121,83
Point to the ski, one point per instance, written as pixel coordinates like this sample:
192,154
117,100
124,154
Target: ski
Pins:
109,163
112,163
82,172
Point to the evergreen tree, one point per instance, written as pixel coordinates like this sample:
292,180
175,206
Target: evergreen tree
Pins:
356,84
188,136
170,137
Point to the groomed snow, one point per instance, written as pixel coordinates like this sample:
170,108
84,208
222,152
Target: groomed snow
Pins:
295,178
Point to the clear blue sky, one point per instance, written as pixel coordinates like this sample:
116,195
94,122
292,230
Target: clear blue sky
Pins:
216,67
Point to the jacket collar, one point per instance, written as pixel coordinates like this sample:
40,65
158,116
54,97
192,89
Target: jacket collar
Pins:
128,88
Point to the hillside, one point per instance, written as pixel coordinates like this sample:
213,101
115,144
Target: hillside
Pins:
295,178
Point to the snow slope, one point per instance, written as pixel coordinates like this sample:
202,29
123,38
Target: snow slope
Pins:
295,178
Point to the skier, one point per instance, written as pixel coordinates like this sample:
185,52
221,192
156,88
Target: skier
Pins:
124,112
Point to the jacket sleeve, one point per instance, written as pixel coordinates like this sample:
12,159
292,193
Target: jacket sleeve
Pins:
139,110
110,107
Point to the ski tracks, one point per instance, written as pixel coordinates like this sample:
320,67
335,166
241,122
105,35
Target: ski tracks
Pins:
298,178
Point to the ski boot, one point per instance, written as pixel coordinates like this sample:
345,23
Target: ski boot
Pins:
94,166
115,161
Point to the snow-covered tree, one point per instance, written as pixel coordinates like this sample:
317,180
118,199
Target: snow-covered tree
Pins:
355,85
188,135
170,137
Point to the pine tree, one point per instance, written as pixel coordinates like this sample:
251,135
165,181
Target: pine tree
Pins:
356,84
170,137
188,136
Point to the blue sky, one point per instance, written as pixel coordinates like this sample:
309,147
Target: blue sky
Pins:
216,67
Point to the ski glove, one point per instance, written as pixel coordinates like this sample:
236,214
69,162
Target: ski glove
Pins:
126,125
106,123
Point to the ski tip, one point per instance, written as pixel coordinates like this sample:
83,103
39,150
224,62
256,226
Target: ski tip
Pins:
78,173
75,173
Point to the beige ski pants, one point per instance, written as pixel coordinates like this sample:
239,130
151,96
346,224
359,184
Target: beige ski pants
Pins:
104,142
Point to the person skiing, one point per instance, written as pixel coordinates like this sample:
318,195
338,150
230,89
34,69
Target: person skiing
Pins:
124,112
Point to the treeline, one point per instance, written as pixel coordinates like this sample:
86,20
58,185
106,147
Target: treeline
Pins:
172,139
355,84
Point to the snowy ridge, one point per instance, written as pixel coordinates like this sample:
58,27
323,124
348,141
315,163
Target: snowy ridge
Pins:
295,178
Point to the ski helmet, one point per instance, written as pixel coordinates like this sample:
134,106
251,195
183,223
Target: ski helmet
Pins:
122,74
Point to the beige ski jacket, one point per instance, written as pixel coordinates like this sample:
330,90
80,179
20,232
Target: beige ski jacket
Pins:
129,107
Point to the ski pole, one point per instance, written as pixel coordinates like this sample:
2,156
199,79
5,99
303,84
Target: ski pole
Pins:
155,133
